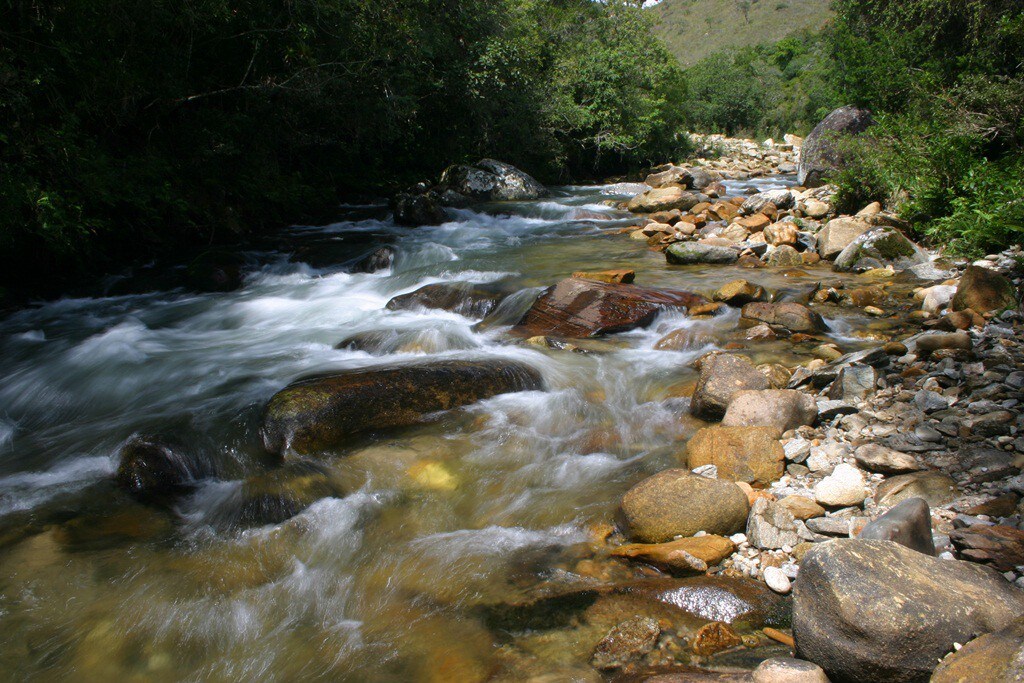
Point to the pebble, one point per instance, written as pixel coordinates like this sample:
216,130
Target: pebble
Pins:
777,580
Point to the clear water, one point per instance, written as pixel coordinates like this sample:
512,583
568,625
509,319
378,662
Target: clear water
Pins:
386,581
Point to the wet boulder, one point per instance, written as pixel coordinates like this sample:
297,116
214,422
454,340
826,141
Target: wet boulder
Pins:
580,308
780,409
490,180
880,248
414,209
321,412
663,199
153,466
279,494
690,253
721,376
676,503
793,316
822,151
677,557
464,298
377,260
780,199
748,454
740,292
983,290
867,610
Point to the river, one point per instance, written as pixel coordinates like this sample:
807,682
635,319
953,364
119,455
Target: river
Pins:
385,580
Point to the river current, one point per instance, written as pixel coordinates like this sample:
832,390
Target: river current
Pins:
391,580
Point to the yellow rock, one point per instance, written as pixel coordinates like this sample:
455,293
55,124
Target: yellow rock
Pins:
434,476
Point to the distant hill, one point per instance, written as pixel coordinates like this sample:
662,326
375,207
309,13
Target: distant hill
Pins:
693,29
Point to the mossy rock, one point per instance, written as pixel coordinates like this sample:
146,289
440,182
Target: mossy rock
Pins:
880,247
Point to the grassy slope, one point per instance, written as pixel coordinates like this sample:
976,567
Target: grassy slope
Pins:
693,29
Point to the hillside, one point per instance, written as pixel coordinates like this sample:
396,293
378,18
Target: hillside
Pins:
693,29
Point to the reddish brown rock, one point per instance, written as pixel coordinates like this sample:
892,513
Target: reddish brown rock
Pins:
1001,547
715,637
577,308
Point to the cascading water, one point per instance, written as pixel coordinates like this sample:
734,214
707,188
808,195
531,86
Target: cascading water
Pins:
389,573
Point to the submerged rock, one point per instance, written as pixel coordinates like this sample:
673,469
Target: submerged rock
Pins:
626,642
491,180
277,495
151,466
877,611
676,503
689,253
579,308
317,413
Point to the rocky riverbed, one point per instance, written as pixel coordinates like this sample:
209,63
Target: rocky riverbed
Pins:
697,428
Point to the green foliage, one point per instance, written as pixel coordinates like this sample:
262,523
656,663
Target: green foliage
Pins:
131,127
948,80
764,90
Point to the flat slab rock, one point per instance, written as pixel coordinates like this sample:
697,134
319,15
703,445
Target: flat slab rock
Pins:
579,308
1001,547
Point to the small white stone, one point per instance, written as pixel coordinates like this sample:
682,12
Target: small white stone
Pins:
738,538
777,580
700,533
947,556
844,487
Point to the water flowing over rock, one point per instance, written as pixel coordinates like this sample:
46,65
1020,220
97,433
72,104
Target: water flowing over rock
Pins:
491,180
322,412
676,503
822,149
579,308
875,610
464,298
152,466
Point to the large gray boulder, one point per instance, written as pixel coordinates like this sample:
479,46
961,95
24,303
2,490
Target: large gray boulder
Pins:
822,150
867,610
879,248
491,180
837,235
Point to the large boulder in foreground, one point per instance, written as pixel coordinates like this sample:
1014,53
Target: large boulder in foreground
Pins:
321,412
992,658
880,248
721,376
821,153
577,308
748,454
676,503
868,610
983,290
491,180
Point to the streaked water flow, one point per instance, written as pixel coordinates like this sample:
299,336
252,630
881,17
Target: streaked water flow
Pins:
383,579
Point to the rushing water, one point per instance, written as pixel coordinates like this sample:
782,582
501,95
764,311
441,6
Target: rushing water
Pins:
385,581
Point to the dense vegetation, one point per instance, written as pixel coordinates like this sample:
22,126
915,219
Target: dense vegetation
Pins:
945,79
131,126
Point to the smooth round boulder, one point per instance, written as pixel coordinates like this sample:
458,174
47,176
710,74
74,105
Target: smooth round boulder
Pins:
983,290
793,316
909,524
321,412
879,248
780,409
663,199
868,611
721,376
491,180
676,503
739,292
748,454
